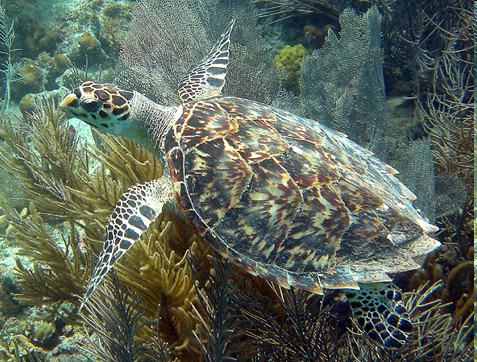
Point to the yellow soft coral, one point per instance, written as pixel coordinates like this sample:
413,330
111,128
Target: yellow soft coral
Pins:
289,59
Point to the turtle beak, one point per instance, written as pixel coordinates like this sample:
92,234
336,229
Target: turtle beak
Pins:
71,100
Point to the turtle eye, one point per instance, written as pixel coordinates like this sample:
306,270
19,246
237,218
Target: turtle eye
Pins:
91,105
77,93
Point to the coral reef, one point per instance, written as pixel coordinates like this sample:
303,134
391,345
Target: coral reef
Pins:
33,339
279,325
17,349
45,43
205,308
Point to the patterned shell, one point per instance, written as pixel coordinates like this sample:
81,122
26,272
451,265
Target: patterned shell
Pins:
290,200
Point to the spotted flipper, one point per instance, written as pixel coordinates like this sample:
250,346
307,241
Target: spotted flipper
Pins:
136,209
381,313
208,78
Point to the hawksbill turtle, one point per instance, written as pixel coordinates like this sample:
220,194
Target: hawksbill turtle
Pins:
281,196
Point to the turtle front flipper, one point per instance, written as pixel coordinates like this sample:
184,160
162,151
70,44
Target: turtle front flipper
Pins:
136,209
379,309
208,78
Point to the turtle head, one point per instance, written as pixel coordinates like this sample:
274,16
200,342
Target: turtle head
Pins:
101,105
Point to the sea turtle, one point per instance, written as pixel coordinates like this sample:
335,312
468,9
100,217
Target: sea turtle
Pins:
283,197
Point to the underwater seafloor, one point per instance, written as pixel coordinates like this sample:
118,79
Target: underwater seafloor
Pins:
395,76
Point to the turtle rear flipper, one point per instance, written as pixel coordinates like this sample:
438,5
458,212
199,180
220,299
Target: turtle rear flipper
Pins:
135,210
381,313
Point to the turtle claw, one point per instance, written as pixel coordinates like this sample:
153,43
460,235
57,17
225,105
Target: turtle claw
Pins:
136,209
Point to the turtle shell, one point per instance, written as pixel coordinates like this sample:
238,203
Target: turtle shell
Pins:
290,200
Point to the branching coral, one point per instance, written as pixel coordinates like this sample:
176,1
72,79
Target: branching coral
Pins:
71,197
299,328
158,271
278,10
447,115
61,267
18,349
52,167
453,266
440,47
11,69
58,272
116,318
274,11
221,301
435,336
303,326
